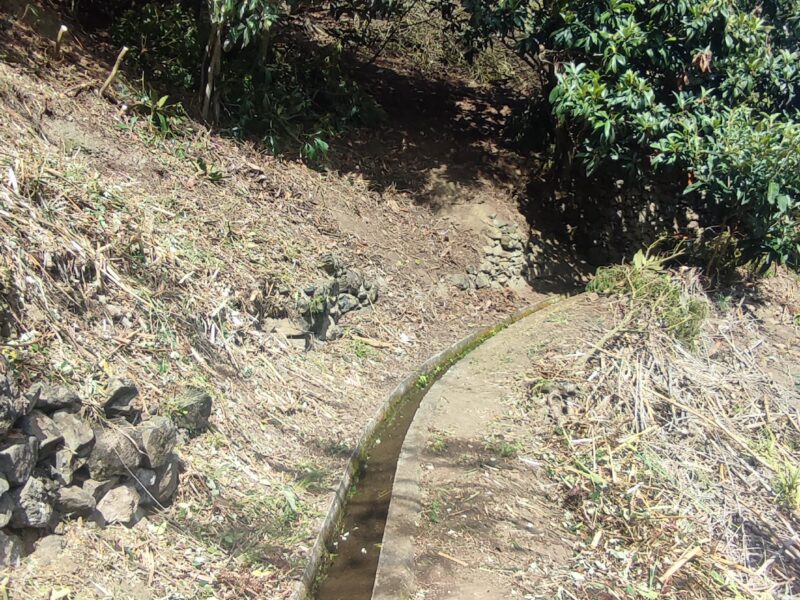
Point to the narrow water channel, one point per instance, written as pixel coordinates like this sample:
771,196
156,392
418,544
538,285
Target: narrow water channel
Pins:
357,548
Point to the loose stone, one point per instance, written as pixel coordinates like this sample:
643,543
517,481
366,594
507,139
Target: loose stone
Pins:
18,456
41,427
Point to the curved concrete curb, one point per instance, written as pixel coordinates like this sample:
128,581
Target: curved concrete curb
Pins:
395,576
440,361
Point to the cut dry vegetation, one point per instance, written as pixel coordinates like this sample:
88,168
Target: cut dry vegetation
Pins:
677,464
136,246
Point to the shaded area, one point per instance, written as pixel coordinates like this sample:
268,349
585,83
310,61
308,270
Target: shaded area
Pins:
446,127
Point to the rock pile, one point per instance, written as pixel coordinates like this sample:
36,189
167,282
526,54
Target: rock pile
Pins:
55,465
504,260
323,303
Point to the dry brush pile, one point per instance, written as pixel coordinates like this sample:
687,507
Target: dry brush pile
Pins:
676,455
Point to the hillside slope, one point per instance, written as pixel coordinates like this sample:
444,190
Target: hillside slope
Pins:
177,260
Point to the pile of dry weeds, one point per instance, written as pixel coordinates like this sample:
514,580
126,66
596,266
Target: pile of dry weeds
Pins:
678,457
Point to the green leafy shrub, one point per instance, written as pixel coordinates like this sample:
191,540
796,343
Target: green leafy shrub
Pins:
164,41
700,93
253,76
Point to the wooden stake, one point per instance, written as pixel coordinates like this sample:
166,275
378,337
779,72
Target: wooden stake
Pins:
115,70
455,560
676,566
61,31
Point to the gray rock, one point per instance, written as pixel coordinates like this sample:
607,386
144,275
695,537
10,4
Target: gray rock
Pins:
6,509
157,438
143,480
62,465
334,332
98,489
372,295
75,501
119,505
18,456
114,453
285,327
510,242
493,233
461,281
347,302
119,395
38,425
350,281
4,486
496,251
33,504
10,549
50,398
48,550
78,435
332,264
324,327
166,483
482,281
192,410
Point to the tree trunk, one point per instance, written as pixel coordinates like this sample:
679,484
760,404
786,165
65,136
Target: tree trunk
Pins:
213,61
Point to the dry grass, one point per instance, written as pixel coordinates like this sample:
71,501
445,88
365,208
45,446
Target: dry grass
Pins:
119,256
677,468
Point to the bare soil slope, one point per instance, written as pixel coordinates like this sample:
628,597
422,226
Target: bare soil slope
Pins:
175,260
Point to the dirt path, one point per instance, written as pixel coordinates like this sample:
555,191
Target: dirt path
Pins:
470,518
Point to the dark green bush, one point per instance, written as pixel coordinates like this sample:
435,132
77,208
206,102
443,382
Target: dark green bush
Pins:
165,43
705,91
250,72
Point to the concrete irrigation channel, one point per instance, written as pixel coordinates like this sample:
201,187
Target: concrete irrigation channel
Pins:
350,548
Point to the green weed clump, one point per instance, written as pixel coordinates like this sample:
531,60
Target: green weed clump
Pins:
655,293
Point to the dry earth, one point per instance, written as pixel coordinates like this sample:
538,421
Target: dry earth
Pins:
171,260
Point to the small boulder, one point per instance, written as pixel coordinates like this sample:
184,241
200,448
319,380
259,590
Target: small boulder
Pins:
33,504
165,485
10,549
98,489
494,233
114,453
78,435
347,302
38,425
120,393
482,281
18,456
157,438
4,486
50,398
461,281
143,480
119,505
75,501
350,281
62,465
48,550
6,509
510,242
334,332
192,410
332,264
